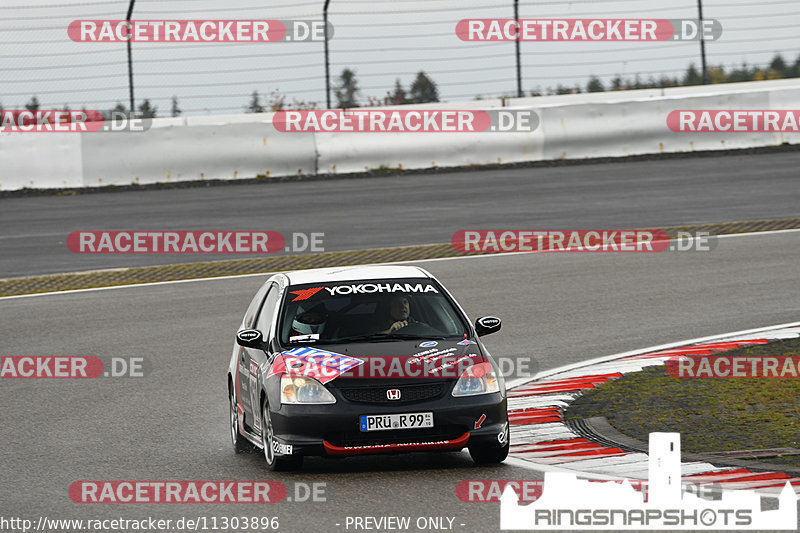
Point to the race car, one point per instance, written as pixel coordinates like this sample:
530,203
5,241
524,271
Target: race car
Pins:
363,360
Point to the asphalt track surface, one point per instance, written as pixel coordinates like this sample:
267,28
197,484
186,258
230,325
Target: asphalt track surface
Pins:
172,425
410,209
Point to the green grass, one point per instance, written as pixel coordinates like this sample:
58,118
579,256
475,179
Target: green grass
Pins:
711,414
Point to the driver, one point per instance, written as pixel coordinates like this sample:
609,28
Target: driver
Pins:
399,314
309,322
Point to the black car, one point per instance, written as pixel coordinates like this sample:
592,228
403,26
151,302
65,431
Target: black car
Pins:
363,360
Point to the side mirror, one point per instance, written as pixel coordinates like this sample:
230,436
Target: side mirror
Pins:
486,325
250,338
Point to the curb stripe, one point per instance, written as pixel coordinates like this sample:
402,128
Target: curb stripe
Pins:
536,407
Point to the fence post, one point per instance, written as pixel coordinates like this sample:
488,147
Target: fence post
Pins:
519,67
327,64
702,42
130,57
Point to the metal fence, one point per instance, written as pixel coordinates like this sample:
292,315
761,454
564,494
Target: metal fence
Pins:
385,42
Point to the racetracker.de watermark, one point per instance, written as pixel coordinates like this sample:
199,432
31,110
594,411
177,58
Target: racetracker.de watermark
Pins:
406,121
637,30
158,492
431,362
72,367
734,120
70,121
511,240
192,242
733,367
529,490
198,31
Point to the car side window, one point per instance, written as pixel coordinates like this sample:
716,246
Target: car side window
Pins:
264,320
255,305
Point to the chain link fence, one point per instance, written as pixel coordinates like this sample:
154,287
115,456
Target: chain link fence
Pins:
384,43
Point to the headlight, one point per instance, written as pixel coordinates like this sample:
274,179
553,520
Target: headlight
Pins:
477,379
304,390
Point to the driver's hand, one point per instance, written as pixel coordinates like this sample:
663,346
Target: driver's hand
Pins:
398,325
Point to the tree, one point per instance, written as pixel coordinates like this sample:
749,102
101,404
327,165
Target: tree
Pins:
347,90
563,90
254,106
595,85
779,65
616,84
692,76
117,110
176,111
147,110
33,105
398,97
423,90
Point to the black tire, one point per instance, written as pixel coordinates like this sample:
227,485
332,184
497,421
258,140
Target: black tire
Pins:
240,444
278,464
482,454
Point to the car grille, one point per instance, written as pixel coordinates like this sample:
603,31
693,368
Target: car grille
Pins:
408,393
401,436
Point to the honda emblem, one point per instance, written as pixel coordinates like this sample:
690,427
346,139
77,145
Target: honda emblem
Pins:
393,394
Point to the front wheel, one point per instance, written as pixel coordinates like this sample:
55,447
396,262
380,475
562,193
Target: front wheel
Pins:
482,454
240,444
275,462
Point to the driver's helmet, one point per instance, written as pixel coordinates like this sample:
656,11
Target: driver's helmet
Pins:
310,320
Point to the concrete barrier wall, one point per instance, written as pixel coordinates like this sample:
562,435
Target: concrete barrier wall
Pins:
228,147
185,153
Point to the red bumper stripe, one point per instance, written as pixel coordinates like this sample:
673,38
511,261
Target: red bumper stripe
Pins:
454,444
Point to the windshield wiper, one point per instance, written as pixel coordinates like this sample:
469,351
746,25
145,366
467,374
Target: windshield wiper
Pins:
358,338
411,336
378,337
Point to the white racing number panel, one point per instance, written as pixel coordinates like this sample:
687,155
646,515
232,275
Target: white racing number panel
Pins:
396,421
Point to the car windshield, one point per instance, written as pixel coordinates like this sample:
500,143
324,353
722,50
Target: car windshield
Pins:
372,310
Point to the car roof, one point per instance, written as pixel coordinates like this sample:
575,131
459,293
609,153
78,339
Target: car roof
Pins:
353,273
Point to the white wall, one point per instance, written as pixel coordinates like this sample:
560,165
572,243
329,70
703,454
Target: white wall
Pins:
610,124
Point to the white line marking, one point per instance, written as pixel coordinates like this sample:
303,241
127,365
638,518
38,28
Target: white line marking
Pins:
235,276
606,358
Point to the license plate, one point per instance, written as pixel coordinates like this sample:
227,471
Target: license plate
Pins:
396,421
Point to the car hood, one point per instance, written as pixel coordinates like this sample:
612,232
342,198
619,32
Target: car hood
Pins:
371,363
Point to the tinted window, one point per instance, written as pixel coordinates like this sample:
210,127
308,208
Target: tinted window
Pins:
267,311
255,305
365,310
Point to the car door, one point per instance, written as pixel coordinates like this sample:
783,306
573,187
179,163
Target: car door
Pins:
241,377
253,359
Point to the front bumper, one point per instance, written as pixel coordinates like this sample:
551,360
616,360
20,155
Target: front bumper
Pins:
333,430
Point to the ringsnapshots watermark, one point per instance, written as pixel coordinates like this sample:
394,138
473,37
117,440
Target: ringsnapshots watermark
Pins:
193,242
588,30
73,367
406,121
734,120
198,31
70,121
567,503
593,241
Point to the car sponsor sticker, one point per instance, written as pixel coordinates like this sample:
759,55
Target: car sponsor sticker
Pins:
428,344
321,365
281,449
305,294
466,342
304,338
364,288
